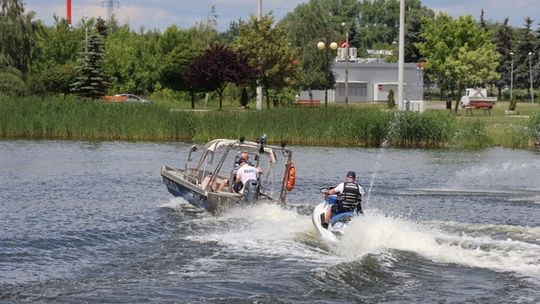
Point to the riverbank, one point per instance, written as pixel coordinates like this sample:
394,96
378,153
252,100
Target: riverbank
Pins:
358,125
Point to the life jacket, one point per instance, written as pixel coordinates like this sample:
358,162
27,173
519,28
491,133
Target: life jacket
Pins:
350,198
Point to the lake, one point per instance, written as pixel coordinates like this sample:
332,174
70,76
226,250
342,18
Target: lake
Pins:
91,222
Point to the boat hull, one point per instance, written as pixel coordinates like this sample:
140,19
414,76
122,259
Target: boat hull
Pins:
179,186
335,230
317,219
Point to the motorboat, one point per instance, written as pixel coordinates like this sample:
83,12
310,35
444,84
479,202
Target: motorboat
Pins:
334,230
205,183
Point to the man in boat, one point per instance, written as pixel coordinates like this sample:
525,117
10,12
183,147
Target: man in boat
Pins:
349,197
245,173
240,181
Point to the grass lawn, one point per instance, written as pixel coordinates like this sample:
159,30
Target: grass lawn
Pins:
505,130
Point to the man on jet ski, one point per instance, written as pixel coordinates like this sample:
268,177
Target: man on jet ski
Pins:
349,197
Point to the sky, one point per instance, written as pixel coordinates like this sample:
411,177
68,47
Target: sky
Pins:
160,14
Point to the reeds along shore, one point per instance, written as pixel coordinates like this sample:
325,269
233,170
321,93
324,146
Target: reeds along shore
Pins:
56,118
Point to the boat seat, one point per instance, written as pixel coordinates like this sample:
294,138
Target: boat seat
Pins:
215,185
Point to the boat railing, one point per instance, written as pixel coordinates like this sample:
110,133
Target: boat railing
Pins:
185,174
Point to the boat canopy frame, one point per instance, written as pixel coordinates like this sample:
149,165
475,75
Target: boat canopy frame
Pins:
225,146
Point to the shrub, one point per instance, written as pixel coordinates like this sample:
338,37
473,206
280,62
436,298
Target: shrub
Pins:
429,129
534,125
517,94
512,105
391,103
11,85
244,98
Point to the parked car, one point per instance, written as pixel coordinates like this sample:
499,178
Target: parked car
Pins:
122,98
132,98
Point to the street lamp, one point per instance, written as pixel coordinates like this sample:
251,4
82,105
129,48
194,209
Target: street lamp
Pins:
85,34
258,101
322,46
530,77
346,65
401,53
511,74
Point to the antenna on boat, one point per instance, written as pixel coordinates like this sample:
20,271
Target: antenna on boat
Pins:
261,141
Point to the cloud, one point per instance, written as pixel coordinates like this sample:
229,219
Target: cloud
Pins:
164,13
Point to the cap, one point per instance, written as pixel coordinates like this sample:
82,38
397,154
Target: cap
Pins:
351,174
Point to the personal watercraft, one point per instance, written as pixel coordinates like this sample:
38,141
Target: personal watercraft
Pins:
338,223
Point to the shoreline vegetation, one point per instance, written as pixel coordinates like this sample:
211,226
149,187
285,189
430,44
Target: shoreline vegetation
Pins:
366,125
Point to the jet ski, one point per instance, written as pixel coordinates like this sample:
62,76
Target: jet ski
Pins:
338,222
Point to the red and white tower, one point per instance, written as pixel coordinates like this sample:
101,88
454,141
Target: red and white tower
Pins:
68,11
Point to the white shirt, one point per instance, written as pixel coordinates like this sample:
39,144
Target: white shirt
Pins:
246,172
339,189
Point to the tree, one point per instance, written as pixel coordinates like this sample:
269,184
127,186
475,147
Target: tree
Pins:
11,84
318,21
91,81
526,44
413,31
18,34
482,20
503,40
244,98
175,64
458,54
378,23
133,60
102,27
216,68
232,32
266,49
391,102
58,79
59,45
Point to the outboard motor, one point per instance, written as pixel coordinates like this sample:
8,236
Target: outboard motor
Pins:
251,191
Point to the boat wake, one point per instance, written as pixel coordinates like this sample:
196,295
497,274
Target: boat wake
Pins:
496,247
269,230
180,204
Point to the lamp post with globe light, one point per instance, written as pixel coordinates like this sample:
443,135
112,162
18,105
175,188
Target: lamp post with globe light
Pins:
322,46
85,23
511,74
346,64
530,77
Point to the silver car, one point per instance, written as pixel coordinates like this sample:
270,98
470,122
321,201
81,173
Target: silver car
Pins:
133,98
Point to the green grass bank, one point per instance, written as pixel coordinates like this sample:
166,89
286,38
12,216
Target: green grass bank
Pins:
363,126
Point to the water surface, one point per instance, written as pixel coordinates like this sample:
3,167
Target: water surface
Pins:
92,222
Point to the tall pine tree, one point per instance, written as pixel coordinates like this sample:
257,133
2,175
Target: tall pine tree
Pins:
91,80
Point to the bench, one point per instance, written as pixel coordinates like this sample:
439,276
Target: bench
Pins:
479,105
307,102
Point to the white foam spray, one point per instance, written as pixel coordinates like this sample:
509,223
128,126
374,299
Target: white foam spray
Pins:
377,233
269,229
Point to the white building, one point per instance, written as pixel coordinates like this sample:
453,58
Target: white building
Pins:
370,80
